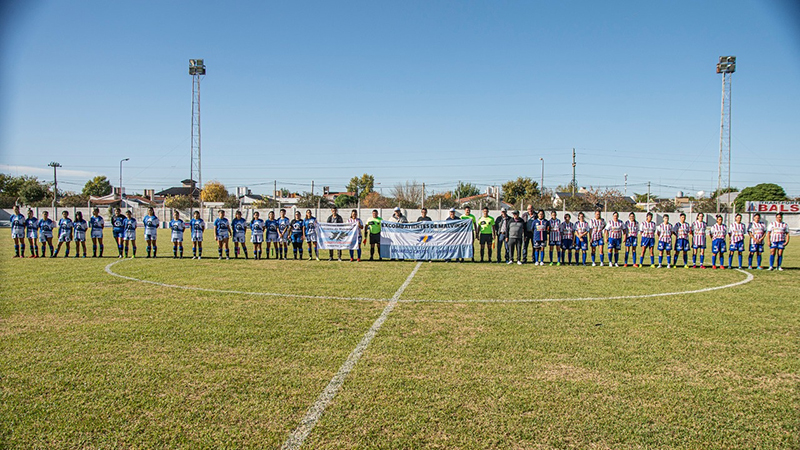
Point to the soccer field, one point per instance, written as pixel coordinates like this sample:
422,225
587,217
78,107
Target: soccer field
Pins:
143,353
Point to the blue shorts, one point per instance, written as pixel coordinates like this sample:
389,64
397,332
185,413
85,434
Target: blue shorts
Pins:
681,245
566,244
582,244
665,246
297,238
778,245
718,246
737,246
648,242
597,243
630,241
118,233
756,248
614,244
703,246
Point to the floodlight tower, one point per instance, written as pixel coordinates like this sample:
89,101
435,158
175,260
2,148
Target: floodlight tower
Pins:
197,69
726,66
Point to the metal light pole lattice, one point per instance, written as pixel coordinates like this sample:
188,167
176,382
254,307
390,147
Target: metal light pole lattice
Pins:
197,69
726,67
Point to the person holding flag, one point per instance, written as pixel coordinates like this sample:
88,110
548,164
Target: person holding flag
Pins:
468,215
778,235
354,219
718,232
757,231
737,232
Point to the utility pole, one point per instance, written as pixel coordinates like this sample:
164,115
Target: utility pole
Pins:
423,195
626,185
312,188
55,166
541,183
574,181
275,194
648,196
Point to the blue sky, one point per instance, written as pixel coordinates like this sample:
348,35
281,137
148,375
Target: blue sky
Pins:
430,91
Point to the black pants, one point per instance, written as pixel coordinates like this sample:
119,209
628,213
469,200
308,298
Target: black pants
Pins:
526,240
514,245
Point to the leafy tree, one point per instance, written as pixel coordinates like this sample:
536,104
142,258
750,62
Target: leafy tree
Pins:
721,191
611,200
577,204
32,192
363,185
231,202
764,192
344,200
98,187
464,190
21,189
446,198
265,203
309,200
705,205
214,191
71,199
665,206
408,195
521,189
180,202
376,200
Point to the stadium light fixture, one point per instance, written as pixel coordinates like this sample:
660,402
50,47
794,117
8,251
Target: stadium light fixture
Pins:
197,67
727,64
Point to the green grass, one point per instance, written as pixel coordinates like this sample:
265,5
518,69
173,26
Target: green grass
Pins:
88,360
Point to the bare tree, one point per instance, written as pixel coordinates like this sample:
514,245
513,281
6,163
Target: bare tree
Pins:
408,195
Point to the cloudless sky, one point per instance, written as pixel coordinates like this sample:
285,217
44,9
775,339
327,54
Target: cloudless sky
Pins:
430,91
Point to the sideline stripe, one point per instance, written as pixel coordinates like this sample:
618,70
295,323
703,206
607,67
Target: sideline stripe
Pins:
299,435
225,291
619,297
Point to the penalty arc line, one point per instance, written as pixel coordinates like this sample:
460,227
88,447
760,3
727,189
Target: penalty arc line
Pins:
314,413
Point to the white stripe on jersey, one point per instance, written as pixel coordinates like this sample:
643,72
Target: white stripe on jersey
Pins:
718,231
648,229
665,232
736,230
778,231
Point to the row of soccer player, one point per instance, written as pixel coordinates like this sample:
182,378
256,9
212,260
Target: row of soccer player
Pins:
515,234
565,238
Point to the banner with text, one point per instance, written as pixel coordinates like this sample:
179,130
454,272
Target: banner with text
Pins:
427,240
337,236
772,207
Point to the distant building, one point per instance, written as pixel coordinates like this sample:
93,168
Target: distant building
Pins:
188,187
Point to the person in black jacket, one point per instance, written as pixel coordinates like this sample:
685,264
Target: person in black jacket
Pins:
501,228
516,233
335,218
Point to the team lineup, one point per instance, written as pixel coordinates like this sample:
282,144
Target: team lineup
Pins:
565,242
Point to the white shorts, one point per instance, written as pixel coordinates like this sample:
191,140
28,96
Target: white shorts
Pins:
98,233
197,237
130,235
43,237
272,237
17,234
239,237
32,234
283,239
223,236
257,238
80,236
177,237
64,238
150,235
311,237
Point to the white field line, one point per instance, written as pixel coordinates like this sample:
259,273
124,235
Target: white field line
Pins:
226,291
618,297
299,435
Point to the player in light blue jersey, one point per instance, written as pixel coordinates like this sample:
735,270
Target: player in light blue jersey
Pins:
178,226
239,226
151,223
17,221
46,227
96,224
80,227
257,235
31,231
296,225
283,235
64,233
130,233
272,233
222,231
197,226
118,229
310,229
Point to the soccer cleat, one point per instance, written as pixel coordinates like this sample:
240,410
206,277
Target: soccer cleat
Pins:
519,263
351,259
227,257
199,257
758,268
551,264
659,266
668,267
749,267
780,269
686,266
511,262
626,265
359,260
593,264
557,264
317,258
220,258
769,268
616,265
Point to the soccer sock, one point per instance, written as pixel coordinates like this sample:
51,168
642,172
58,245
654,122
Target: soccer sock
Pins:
16,249
236,252
44,247
601,258
616,258
771,260
714,259
174,250
119,247
358,253
551,254
194,251
134,250
702,259
148,251
694,258
584,257
641,259
200,251
227,253
730,259
51,250
758,259
740,260
660,259
22,248
750,259
686,258
780,260
94,250
300,249
219,250
626,258
244,249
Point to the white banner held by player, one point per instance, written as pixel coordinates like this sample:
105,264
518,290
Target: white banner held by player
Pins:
427,240
337,236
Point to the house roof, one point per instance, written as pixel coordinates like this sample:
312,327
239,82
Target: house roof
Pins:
179,191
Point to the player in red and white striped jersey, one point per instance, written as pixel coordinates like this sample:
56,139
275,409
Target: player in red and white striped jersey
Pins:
582,229
699,240
664,232
757,231
778,233
648,228
682,231
737,231
597,225
718,232
614,230
631,228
